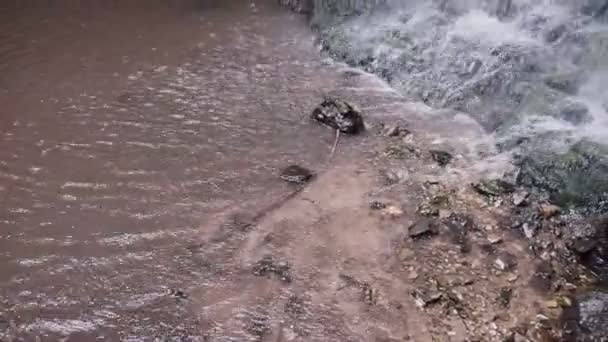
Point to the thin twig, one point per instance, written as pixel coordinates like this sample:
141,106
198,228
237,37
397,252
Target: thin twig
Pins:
333,149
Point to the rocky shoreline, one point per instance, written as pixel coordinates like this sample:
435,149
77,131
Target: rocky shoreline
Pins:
530,248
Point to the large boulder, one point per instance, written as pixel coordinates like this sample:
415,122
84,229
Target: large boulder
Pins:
588,319
577,178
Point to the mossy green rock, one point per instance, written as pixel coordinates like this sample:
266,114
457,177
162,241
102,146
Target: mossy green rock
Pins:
577,178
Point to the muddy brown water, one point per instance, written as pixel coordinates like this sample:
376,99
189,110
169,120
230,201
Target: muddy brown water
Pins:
126,126
131,131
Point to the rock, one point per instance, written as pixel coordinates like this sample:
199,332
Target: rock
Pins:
547,210
566,83
458,227
584,245
520,198
396,131
267,267
296,174
529,230
442,158
377,205
494,239
339,115
422,228
505,261
392,177
495,187
575,113
392,211
577,178
587,319
299,6
425,297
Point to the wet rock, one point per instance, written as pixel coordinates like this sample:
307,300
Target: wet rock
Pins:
587,319
396,131
267,267
547,210
575,113
567,83
339,115
494,187
296,174
422,228
577,178
505,261
442,158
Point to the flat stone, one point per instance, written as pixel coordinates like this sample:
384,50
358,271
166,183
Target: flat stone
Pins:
296,174
424,227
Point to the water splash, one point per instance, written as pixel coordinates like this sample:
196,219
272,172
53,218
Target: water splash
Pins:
519,67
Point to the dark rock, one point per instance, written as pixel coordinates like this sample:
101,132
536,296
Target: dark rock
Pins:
339,115
296,174
575,113
584,245
495,187
587,320
566,83
577,178
267,267
504,297
177,293
377,205
422,228
442,158
458,227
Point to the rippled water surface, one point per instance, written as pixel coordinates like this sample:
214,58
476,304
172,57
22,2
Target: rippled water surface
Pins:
129,129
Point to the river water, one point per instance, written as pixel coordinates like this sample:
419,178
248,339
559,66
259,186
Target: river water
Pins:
130,130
